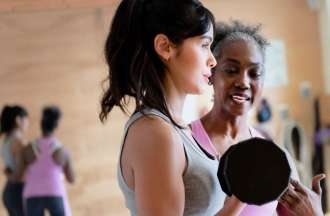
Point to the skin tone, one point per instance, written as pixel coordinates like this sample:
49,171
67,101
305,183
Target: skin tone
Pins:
153,139
18,144
302,201
238,83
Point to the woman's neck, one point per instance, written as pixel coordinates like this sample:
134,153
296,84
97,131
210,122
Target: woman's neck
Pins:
174,100
47,135
219,123
15,133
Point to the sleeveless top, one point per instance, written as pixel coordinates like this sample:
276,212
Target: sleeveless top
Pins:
7,155
200,134
203,194
44,177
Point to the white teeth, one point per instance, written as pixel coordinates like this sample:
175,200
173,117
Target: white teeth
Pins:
239,99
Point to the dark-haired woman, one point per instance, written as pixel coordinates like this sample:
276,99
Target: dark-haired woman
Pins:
13,125
47,160
158,52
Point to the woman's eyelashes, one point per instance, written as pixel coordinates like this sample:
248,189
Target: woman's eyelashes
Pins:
206,45
254,73
231,70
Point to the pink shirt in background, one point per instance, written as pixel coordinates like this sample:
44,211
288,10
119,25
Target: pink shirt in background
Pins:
44,177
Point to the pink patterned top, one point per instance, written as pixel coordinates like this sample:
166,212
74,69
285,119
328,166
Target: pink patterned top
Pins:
200,134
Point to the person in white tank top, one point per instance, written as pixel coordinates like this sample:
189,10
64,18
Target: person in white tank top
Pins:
158,52
13,125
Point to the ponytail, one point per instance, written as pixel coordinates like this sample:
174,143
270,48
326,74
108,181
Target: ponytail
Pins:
134,68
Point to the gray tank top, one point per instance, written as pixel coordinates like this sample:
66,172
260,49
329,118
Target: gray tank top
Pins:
203,194
7,155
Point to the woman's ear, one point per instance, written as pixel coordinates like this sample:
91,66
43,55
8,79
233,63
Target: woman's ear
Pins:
163,47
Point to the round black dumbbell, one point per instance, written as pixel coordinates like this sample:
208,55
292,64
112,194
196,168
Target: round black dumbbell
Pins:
256,171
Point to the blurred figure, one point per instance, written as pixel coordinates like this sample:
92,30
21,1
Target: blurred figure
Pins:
13,124
321,138
264,115
46,161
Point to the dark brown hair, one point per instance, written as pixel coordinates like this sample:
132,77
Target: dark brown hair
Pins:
135,69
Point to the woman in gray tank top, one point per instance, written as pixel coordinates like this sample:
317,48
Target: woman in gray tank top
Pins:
158,52
13,124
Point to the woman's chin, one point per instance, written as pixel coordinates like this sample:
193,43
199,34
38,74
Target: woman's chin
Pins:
238,112
197,90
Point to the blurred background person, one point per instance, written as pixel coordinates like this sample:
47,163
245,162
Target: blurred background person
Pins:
46,161
13,125
264,116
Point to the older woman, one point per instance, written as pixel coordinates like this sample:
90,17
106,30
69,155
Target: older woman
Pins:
238,81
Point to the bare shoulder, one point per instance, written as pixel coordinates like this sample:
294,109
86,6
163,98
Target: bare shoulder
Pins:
152,138
153,162
61,156
18,144
28,152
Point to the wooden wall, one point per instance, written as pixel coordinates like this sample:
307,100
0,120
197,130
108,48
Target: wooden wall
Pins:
51,53
56,57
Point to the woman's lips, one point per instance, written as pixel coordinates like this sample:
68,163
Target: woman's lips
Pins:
240,99
206,77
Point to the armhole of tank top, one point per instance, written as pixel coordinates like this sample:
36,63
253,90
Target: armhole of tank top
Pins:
120,156
129,123
124,139
35,148
211,157
187,160
197,146
208,155
56,145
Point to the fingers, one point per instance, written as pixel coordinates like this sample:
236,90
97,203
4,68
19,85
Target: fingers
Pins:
298,187
232,206
316,183
289,199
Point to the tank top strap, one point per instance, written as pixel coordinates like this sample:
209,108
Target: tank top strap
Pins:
143,112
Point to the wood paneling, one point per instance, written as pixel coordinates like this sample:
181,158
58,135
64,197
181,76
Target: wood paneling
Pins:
52,53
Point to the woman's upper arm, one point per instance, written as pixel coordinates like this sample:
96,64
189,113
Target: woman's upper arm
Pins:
68,170
18,151
158,161
62,158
